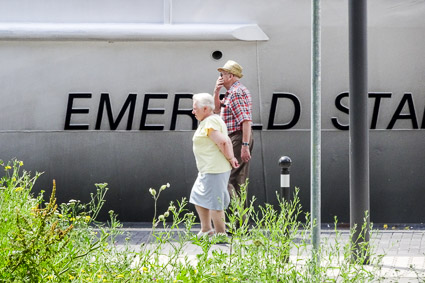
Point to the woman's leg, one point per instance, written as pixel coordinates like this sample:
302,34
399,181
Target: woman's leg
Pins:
204,217
218,220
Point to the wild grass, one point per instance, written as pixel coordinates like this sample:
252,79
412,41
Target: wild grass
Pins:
48,242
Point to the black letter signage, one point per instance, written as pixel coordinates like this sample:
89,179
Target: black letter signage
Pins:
295,118
104,99
147,111
70,111
341,108
375,113
177,111
412,114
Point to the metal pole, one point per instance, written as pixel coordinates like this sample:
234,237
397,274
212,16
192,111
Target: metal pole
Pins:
359,131
315,131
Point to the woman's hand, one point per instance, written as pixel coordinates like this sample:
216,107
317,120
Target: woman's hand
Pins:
234,162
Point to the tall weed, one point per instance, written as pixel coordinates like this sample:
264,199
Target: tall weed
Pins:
49,242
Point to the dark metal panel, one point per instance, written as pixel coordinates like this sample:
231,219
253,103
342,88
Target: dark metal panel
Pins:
397,176
132,162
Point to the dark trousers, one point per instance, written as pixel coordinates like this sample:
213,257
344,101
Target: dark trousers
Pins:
239,175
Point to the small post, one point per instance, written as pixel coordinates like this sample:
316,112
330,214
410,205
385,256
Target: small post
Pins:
284,163
285,191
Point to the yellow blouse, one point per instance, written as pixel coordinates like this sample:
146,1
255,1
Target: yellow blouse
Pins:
208,156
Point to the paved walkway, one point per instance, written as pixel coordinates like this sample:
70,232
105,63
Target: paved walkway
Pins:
403,251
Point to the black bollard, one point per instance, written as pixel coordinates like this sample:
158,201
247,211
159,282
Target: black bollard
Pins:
285,192
285,188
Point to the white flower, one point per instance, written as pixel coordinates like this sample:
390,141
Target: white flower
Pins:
152,192
171,208
163,187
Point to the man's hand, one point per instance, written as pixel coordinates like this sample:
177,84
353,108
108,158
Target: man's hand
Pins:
218,85
245,154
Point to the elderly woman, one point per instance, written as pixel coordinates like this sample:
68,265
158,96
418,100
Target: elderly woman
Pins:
214,159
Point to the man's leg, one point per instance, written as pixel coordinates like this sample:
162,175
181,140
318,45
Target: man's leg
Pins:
239,175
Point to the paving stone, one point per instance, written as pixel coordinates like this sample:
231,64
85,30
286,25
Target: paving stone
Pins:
402,250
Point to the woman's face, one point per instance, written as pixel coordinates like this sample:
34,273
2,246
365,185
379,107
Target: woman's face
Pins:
199,112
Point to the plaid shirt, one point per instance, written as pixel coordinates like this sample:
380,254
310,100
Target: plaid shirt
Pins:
236,107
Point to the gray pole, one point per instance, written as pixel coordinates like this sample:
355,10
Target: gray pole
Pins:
315,131
359,130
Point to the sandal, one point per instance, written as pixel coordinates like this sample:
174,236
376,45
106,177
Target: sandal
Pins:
208,233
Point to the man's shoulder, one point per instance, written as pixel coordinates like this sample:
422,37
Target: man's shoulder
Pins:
238,87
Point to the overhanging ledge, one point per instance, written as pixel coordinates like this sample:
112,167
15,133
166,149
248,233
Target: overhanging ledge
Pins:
130,32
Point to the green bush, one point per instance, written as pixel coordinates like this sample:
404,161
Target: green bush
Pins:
41,242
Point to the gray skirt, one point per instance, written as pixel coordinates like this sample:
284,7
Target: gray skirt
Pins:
210,191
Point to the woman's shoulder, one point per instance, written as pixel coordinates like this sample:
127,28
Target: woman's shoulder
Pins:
214,119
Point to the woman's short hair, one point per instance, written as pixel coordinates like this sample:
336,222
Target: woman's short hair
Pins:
204,99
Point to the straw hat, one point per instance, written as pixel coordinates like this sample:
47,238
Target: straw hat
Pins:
233,68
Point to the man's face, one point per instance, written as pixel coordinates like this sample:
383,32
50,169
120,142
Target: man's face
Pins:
227,79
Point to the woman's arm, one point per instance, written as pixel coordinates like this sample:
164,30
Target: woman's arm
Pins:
225,145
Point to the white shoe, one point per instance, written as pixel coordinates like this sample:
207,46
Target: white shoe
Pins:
208,233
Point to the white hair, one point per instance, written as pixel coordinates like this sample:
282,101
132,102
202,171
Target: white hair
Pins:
204,99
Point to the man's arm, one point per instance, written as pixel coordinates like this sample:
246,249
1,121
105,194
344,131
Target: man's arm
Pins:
246,137
217,102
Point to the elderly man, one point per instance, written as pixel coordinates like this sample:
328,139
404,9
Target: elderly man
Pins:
236,110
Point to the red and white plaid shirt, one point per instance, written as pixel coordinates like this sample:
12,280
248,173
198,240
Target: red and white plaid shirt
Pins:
236,107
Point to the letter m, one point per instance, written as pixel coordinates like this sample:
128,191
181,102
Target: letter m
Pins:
104,100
